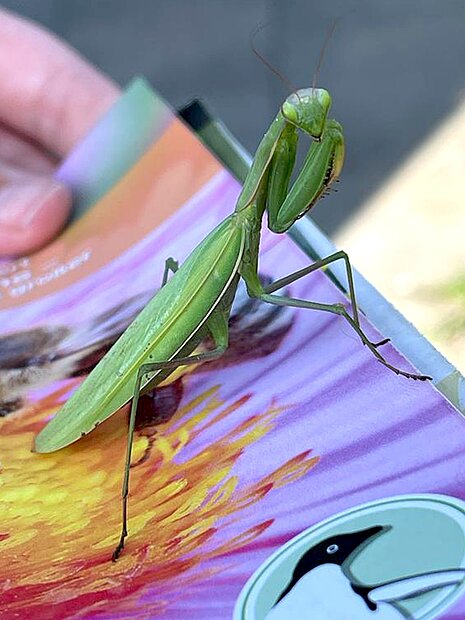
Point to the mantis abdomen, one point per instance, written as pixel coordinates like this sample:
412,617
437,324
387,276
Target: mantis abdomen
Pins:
170,325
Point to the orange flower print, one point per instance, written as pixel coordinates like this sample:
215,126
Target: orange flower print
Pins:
61,514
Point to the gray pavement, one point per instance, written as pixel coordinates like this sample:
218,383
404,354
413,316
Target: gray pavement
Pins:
395,68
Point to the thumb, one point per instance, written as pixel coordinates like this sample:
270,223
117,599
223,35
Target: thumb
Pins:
32,211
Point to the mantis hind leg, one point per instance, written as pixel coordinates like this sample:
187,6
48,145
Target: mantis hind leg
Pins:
265,294
217,324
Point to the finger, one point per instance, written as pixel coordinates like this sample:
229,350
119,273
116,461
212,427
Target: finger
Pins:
32,212
23,153
49,92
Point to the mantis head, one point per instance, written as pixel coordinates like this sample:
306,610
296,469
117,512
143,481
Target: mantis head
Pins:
308,109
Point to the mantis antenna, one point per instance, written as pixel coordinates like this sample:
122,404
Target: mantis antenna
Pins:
278,73
267,63
329,34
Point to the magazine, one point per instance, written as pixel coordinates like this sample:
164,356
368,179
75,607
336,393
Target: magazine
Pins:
294,477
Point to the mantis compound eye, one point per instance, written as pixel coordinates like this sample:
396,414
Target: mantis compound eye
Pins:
290,113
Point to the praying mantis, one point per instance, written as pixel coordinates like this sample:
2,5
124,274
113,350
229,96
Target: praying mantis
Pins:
195,302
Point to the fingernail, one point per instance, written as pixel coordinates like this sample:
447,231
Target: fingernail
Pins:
20,204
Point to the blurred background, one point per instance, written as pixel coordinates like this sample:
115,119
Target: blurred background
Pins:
396,71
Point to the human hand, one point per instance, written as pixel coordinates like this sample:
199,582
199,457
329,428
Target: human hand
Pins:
49,99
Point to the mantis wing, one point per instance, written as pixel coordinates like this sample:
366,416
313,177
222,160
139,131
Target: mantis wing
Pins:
165,326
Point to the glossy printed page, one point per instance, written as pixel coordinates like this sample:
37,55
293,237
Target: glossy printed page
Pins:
296,435
135,199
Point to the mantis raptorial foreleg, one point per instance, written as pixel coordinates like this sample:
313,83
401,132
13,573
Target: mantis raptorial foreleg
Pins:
218,326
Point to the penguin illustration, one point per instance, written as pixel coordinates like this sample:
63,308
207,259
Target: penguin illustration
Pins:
322,588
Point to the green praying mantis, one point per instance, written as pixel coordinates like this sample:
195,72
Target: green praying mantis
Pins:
196,301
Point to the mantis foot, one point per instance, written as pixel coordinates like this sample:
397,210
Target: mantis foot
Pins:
404,373
119,548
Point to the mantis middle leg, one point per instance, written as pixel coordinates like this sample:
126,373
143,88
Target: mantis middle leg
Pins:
170,265
265,294
320,264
